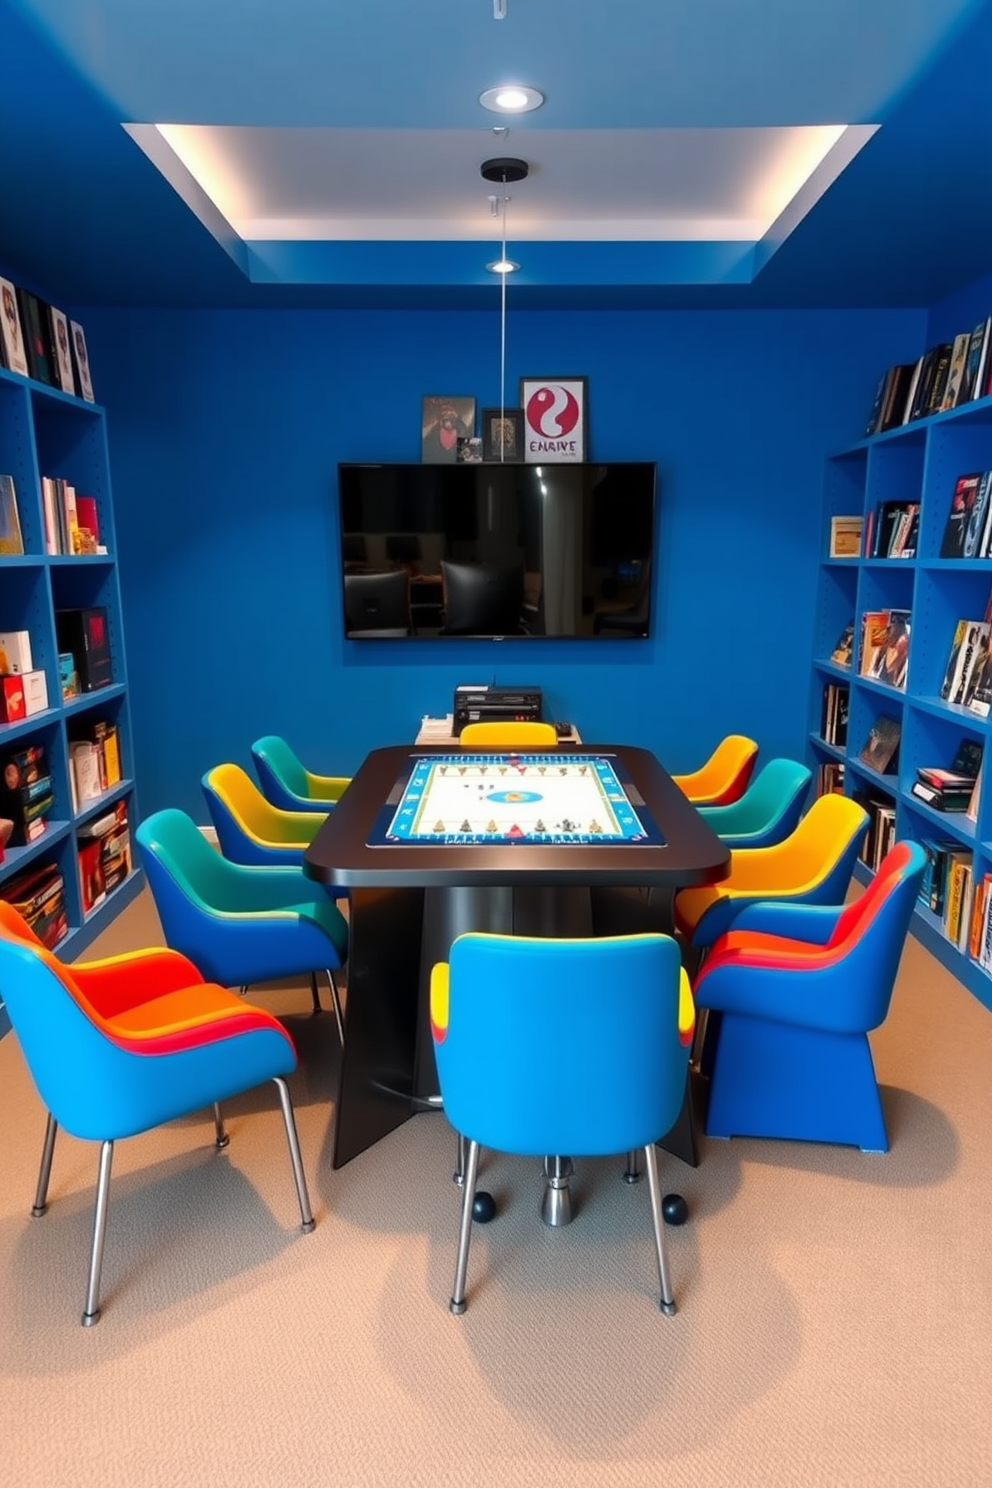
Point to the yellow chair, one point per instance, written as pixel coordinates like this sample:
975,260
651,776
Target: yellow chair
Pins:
249,828
813,865
509,735
724,776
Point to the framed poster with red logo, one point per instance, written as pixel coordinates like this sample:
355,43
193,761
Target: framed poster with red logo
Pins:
554,411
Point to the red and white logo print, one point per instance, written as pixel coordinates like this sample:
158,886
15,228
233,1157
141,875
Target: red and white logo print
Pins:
553,411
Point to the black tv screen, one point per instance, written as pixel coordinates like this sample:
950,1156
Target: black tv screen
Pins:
497,550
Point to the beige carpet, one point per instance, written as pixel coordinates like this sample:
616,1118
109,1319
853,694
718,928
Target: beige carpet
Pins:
834,1324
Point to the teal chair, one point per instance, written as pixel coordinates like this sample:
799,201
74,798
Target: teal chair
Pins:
240,924
561,1046
287,783
769,809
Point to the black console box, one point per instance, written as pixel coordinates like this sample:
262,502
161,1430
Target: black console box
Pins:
496,704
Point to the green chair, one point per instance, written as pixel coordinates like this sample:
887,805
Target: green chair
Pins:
287,783
769,809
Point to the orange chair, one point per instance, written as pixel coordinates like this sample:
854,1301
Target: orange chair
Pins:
813,865
118,1046
724,776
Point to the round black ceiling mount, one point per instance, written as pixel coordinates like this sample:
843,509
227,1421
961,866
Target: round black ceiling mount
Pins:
505,168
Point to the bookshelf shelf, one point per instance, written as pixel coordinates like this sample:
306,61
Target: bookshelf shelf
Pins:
45,432
919,463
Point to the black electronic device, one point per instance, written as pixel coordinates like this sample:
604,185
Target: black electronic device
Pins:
498,550
495,705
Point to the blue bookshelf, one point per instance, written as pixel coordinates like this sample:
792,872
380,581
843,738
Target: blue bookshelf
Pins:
45,432
918,462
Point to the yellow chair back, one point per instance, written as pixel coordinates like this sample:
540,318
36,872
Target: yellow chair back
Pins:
509,735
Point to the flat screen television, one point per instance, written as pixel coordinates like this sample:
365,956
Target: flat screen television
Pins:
497,550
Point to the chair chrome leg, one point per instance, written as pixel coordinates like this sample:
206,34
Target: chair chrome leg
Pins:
336,1000
556,1201
315,994
667,1296
632,1172
221,1139
458,1303
458,1176
45,1171
306,1212
91,1314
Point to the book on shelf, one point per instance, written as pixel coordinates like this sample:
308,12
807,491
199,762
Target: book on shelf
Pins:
978,348
89,524
892,658
971,810
955,376
894,389
940,799
881,830
881,748
958,872
61,350
830,778
11,537
37,337
938,378
836,706
933,884
845,537
81,360
12,338
963,499
914,382
874,629
975,536
965,662
843,652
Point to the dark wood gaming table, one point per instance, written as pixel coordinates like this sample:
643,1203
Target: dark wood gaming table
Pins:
410,900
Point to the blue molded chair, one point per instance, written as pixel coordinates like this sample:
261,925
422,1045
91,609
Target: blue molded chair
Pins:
813,865
239,924
561,1046
798,988
118,1046
249,828
288,784
769,809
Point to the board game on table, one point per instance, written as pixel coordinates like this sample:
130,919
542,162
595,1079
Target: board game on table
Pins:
507,798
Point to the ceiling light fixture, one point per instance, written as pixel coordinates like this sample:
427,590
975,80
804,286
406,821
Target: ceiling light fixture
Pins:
511,98
503,168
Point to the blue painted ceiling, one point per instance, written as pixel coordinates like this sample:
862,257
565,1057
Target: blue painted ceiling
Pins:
88,216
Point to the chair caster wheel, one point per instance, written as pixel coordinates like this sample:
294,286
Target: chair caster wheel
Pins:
483,1207
674,1209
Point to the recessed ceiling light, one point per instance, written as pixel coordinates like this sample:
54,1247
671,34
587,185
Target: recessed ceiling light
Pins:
511,98
503,266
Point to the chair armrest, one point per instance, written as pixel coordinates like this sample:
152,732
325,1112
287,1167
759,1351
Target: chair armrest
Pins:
814,923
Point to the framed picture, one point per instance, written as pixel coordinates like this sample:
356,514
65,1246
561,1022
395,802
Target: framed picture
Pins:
444,421
63,354
554,414
15,352
82,361
469,451
502,434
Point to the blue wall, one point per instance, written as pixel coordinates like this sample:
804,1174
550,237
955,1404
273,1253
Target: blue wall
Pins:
225,429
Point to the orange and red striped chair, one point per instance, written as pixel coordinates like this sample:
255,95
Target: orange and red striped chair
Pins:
796,989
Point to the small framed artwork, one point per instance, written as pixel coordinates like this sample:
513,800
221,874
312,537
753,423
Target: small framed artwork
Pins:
502,434
15,352
82,361
63,354
554,417
444,421
469,451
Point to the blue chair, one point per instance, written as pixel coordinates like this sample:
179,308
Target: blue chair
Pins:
769,809
118,1046
249,828
561,1046
288,784
240,925
797,990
